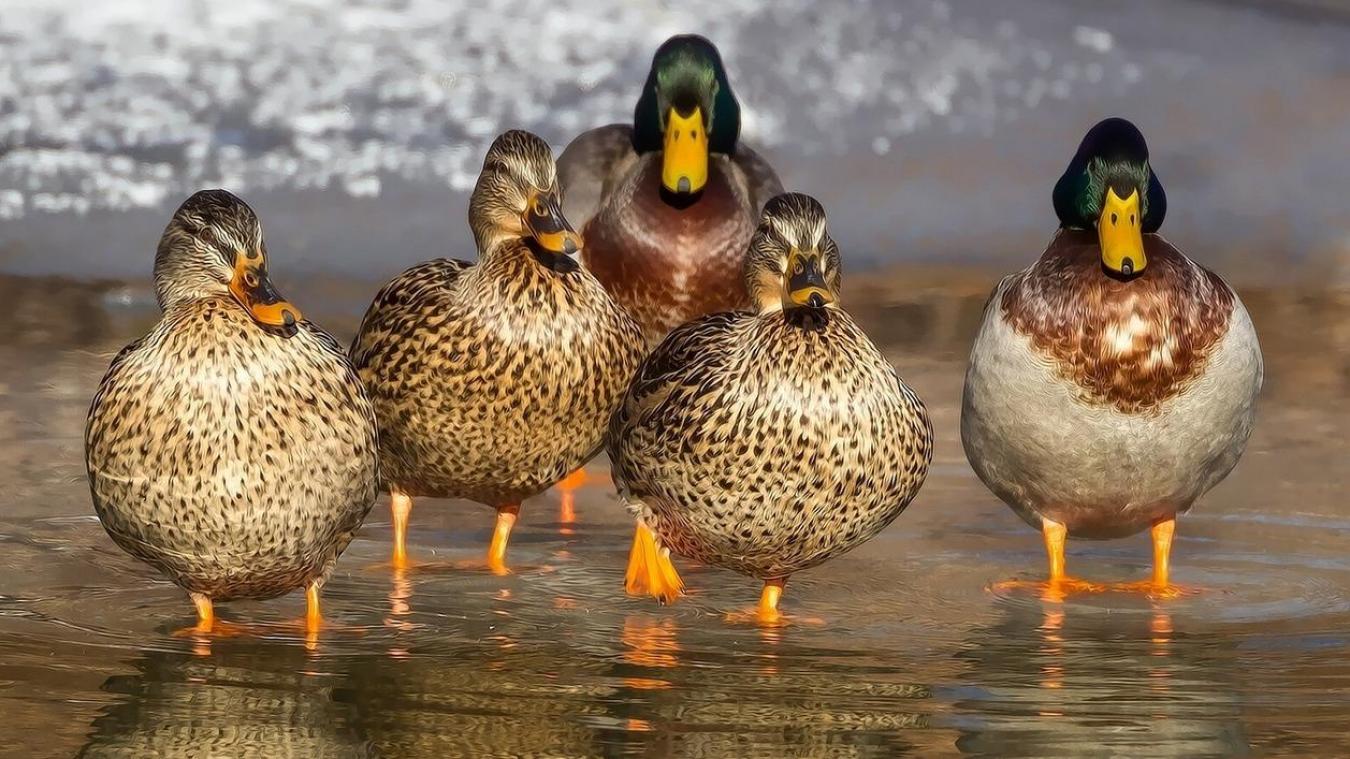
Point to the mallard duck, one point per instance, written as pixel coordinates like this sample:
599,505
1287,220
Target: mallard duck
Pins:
233,447
668,204
493,380
770,440
1114,381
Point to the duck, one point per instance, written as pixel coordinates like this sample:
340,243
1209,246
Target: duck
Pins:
667,204
1114,381
233,447
492,380
771,439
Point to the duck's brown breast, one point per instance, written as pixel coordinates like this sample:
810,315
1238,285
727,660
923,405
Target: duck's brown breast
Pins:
667,263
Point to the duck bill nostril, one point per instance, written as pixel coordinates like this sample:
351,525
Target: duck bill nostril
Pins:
1118,231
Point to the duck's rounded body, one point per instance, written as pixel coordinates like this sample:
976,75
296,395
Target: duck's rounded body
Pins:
769,443
494,380
670,254
236,457
1105,405
772,440
1113,382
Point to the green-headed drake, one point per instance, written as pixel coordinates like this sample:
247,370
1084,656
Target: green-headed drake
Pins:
1114,381
769,440
493,380
233,447
667,205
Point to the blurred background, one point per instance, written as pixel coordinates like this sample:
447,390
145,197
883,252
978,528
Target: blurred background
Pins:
932,132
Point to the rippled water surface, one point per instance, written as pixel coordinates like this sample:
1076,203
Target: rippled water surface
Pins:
898,647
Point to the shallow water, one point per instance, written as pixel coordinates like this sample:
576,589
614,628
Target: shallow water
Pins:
897,647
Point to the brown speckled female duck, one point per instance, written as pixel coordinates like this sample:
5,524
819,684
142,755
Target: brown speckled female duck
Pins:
668,204
772,440
233,447
1115,380
493,380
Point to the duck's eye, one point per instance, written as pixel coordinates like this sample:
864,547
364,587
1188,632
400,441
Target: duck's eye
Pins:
251,279
797,268
539,208
206,235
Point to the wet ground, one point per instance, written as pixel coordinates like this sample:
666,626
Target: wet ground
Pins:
913,652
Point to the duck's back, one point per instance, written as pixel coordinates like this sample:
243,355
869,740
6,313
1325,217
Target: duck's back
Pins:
753,443
492,383
237,461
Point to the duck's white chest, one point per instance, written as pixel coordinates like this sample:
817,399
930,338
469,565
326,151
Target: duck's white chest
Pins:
1050,450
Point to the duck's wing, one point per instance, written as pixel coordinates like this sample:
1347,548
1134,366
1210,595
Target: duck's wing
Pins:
587,167
405,299
686,358
762,181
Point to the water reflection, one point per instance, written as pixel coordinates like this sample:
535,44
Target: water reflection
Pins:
1068,679
250,699
915,657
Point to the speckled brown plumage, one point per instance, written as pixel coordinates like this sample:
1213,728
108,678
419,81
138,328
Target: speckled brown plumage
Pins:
769,441
493,381
1132,344
236,459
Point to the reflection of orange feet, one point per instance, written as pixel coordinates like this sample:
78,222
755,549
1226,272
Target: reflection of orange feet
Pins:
1160,591
1053,589
651,643
650,570
567,509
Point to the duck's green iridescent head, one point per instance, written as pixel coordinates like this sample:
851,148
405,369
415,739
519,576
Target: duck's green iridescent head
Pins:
1111,187
686,112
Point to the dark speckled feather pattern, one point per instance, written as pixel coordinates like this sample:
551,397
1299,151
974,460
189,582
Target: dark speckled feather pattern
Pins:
493,381
769,443
237,461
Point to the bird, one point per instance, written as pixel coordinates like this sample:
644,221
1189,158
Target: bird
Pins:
493,380
771,439
233,447
1115,380
668,203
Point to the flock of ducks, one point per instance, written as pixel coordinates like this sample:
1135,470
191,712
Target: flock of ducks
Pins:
692,328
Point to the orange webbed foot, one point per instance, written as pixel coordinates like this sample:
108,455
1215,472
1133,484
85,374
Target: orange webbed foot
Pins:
650,569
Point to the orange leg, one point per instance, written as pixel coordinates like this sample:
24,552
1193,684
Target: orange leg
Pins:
206,613
208,626
567,512
1055,534
501,535
1058,583
650,570
766,614
400,506
313,619
1162,551
768,602
1161,585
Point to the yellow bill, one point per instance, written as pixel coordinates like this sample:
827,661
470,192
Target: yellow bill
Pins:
1119,229
684,167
